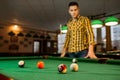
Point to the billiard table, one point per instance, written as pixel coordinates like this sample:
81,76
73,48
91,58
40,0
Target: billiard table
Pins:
89,69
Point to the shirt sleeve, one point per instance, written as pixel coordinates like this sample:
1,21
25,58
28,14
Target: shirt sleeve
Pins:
67,39
90,33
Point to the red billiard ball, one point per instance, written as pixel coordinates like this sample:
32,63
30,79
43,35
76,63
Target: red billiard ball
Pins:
40,64
62,68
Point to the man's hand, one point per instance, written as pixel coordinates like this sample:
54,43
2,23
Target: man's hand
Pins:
63,52
62,55
91,55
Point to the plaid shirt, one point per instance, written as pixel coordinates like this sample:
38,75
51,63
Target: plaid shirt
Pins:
79,35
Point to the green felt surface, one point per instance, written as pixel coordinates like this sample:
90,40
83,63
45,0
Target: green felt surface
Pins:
87,70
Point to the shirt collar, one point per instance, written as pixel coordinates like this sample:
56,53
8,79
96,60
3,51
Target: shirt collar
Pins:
77,17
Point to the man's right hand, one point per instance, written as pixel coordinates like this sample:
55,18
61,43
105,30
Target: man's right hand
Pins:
63,52
62,55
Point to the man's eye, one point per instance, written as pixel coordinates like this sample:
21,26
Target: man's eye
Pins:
75,10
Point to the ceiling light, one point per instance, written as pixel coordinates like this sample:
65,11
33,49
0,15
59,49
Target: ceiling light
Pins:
97,24
110,21
63,29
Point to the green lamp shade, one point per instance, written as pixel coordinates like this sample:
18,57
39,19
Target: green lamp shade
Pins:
97,24
109,21
63,29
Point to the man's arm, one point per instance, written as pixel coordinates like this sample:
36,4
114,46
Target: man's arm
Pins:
65,44
91,41
91,53
63,52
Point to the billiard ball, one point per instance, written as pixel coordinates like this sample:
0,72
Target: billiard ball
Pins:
74,60
4,77
74,67
21,63
40,64
62,68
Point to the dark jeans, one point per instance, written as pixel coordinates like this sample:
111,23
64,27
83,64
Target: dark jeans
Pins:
80,54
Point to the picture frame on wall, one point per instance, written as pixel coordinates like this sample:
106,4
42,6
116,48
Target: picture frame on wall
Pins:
13,47
25,45
30,42
1,44
25,39
1,37
14,38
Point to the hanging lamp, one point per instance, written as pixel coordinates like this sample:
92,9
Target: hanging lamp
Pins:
97,24
110,21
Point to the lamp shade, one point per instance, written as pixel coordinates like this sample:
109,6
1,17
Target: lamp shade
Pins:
20,34
64,29
109,21
97,24
28,35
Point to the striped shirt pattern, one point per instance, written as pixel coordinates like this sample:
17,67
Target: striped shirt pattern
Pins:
79,35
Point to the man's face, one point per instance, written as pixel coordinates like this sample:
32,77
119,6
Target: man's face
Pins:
74,11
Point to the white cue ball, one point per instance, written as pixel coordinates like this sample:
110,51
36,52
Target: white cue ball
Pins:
74,60
74,67
21,63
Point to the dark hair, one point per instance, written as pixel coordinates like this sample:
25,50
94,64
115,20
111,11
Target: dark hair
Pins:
73,4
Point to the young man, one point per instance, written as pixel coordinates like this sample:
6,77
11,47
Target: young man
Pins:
79,38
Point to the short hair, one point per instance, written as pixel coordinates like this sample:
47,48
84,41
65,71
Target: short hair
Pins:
73,4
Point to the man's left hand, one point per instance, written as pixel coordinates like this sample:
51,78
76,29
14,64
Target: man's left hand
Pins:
91,55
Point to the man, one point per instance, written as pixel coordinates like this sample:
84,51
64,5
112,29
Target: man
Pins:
79,38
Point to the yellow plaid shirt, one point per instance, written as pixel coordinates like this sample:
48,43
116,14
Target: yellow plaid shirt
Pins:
79,35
